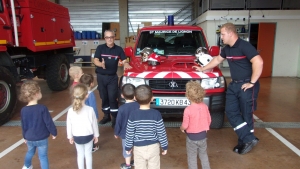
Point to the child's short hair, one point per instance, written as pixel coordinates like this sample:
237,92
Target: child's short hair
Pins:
143,94
194,91
79,93
128,91
74,70
28,89
87,79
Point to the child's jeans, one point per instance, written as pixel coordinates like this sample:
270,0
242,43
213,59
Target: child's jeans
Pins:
42,146
197,147
85,151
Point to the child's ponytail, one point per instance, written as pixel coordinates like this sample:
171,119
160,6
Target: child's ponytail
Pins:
80,92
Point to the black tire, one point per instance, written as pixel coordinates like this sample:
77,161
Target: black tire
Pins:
217,120
8,95
57,72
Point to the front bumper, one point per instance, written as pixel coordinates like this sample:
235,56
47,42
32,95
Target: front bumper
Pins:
215,103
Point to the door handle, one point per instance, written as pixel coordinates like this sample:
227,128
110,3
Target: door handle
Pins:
6,27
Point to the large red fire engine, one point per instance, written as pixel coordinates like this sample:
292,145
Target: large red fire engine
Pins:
36,39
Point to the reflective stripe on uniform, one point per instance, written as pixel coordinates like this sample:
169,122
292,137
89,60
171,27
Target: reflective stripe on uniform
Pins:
113,110
252,131
240,126
106,108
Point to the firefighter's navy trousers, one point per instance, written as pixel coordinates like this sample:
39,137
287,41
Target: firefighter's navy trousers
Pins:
108,90
239,108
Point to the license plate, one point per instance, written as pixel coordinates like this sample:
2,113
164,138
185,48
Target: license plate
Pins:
172,102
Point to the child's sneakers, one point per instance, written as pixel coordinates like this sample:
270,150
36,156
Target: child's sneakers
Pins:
95,148
124,166
24,167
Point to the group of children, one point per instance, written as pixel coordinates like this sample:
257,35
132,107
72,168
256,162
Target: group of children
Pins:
140,127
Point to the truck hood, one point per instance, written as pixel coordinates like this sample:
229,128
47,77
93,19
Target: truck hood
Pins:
171,67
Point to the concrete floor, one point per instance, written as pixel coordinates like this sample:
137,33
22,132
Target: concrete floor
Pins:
278,147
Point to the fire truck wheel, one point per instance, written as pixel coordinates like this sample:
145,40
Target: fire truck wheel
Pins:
217,120
57,72
8,95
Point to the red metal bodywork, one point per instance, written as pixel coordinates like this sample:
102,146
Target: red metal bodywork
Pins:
42,25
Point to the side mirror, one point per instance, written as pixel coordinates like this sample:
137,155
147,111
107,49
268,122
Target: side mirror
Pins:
128,51
214,50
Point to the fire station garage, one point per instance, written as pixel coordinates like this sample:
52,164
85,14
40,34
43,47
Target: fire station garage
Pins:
166,44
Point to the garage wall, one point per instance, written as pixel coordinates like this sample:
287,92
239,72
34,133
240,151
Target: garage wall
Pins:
287,43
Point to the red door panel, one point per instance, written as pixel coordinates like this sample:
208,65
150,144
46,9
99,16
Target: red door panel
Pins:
38,28
62,29
5,27
265,46
49,22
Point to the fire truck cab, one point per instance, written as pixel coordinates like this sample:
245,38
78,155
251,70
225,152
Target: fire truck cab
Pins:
175,46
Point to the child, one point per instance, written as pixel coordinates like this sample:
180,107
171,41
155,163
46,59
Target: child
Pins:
196,121
75,73
88,80
82,126
37,124
146,132
123,114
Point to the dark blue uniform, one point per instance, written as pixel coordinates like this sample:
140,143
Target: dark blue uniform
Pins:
241,104
107,78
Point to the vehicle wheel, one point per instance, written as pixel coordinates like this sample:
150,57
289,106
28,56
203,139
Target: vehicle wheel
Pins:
8,95
217,120
57,72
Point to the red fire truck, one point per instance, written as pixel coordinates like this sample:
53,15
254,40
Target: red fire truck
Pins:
176,46
36,40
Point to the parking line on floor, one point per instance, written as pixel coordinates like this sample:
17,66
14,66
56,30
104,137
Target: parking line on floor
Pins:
18,143
280,138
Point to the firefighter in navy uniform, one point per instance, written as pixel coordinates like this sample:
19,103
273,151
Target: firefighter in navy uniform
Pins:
106,59
245,67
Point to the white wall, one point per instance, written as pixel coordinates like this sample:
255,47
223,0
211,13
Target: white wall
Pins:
86,45
286,60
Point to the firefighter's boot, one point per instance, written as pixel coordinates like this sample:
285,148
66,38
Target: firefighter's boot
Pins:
106,118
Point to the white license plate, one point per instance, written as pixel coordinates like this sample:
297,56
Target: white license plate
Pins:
172,102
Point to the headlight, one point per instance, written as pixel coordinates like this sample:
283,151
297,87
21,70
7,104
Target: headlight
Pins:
132,80
212,83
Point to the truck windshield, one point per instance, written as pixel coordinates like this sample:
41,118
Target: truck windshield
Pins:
170,42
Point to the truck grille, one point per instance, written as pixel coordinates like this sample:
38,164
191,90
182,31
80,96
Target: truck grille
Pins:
168,84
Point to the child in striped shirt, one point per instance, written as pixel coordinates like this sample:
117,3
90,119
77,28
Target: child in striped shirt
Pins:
146,132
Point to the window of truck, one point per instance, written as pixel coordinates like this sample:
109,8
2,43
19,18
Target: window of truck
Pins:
171,42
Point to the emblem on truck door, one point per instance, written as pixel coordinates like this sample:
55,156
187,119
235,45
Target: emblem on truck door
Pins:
173,84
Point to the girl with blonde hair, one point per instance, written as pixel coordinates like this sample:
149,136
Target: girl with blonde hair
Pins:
196,122
82,126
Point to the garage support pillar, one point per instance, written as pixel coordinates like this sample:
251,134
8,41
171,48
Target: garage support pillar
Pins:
123,15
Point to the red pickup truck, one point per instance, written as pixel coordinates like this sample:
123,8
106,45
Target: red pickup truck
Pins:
176,46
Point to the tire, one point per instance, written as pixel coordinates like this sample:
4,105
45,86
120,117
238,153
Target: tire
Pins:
217,120
8,95
57,72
